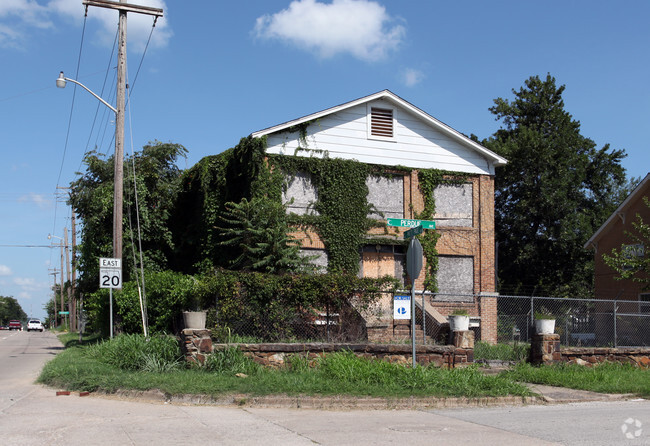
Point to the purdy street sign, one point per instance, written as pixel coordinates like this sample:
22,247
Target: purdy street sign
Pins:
409,223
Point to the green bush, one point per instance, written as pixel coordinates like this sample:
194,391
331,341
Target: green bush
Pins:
136,352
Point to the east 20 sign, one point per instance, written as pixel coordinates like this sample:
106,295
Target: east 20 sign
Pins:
110,273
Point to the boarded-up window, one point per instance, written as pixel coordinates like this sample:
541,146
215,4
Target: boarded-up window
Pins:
386,195
381,122
455,278
317,257
300,195
454,204
383,260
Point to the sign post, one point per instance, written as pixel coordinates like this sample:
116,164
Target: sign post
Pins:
413,268
110,276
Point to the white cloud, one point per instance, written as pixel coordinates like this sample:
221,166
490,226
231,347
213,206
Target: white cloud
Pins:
39,200
17,17
361,28
412,77
5,270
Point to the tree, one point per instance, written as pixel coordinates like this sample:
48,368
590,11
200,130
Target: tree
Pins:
632,261
10,309
259,232
157,181
556,189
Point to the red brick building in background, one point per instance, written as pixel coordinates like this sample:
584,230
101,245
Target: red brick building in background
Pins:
612,234
384,129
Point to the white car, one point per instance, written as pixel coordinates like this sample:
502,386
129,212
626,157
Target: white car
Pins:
34,324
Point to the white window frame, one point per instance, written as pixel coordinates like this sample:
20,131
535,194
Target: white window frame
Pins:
369,108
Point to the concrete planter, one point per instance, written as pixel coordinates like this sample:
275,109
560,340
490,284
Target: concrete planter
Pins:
458,323
544,326
194,319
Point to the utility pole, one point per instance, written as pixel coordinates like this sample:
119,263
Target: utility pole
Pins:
74,272
62,282
67,271
54,273
123,8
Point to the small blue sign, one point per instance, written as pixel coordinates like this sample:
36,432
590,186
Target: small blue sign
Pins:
402,307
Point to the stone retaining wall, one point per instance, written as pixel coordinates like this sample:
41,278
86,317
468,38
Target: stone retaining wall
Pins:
626,355
546,349
197,344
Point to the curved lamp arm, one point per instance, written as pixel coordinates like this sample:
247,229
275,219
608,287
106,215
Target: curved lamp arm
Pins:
61,80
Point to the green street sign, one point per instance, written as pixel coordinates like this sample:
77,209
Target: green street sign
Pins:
64,312
413,232
409,223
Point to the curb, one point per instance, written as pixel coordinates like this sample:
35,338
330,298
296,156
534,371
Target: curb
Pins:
322,402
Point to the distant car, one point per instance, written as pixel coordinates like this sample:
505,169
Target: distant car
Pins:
15,325
34,324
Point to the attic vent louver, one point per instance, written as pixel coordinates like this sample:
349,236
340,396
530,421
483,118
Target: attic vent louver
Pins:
381,122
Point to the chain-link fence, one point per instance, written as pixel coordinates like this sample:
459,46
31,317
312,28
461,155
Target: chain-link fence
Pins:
579,322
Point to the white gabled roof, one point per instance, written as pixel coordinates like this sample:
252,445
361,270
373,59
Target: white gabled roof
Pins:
619,210
497,160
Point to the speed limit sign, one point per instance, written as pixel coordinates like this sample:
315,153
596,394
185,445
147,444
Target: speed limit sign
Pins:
110,273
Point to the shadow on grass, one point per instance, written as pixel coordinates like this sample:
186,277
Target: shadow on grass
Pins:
72,340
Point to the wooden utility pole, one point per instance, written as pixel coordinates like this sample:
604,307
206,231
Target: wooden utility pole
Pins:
62,281
54,273
73,316
67,275
118,190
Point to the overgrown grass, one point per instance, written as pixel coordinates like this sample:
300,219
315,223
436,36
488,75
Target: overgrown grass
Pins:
118,364
502,352
604,378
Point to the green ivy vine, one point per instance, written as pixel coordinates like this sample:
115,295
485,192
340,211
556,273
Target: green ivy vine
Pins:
429,180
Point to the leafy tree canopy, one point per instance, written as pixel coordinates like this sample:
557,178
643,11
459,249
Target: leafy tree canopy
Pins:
259,230
556,189
156,181
10,309
632,261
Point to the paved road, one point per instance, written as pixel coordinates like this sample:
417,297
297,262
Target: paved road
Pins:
31,413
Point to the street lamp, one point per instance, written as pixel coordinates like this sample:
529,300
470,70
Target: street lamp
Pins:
119,151
61,81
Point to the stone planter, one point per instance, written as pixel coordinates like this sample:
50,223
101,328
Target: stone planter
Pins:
194,319
544,326
458,323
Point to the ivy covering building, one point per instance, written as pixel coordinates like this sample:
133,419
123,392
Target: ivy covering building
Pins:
337,176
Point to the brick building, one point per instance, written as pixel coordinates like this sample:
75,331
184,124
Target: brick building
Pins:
612,234
383,129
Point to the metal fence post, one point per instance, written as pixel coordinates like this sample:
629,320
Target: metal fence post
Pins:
615,334
424,321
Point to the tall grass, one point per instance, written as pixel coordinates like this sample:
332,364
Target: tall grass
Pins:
501,352
122,363
158,353
604,378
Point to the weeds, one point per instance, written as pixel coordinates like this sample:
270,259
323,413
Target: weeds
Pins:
136,352
501,352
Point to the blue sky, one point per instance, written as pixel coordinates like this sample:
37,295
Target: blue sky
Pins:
216,71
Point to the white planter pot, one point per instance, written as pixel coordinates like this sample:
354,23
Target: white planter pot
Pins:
458,323
194,319
544,326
